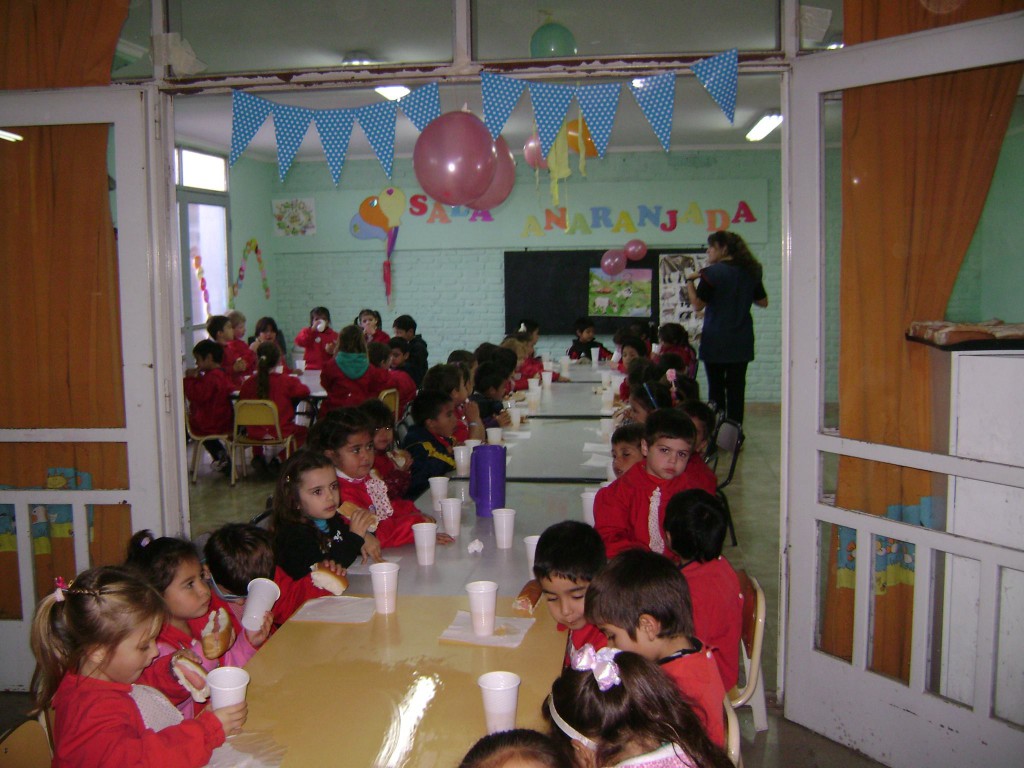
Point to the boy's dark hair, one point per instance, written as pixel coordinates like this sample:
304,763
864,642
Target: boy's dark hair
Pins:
631,433
489,376
506,359
351,339
696,409
653,394
671,423
397,342
637,582
569,549
581,324
485,352
378,352
332,431
377,413
636,343
695,520
237,553
404,323
442,378
158,559
215,324
674,334
461,356
428,404
522,746
208,347
316,312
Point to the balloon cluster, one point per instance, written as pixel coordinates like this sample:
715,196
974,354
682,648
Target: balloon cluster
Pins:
457,163
251,247
197,264
614,260
379,216
576,138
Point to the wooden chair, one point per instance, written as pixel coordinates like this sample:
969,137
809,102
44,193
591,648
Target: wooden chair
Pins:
198,442
27,746
255,413
728,438
752,644
732,734
390,398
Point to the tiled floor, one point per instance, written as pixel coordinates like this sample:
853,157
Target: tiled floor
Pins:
753,497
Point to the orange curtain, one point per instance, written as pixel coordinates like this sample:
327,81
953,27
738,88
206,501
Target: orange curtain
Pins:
918,159
59,303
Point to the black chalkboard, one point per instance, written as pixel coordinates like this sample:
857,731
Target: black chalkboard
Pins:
552,287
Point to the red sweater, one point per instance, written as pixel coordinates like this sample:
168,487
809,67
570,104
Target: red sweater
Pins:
696,676
209,399
96,722
236,349
621,510
343,392
284,390
717,613
393,531
406,387
314,341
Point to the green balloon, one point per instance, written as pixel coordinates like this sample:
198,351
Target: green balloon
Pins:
552,41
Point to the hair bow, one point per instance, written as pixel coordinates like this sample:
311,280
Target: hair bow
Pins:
601,663
59,586
146,541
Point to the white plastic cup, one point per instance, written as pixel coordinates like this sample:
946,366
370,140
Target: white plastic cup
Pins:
547,376
565,372
425,536
588,506
595,358
438,491
533,385
384,577
517,417
545,357
606,379
262,595
549,365
451,516
227,686
299,364
504,525
483,596
471,444
531,551
494,435
655,349
608,398
463,453
533,401
500,692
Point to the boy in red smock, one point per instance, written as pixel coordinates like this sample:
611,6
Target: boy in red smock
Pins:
208,390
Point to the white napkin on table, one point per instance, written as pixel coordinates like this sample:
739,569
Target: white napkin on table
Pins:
508,632
336,610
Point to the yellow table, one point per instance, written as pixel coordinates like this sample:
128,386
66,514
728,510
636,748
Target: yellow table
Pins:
387,692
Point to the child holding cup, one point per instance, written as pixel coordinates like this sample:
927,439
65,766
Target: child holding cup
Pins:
429,441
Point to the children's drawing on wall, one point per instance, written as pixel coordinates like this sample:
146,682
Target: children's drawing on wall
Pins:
627,294
295,217
674,303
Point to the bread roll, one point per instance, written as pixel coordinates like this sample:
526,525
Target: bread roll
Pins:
528,597
191,676
218,634
328,580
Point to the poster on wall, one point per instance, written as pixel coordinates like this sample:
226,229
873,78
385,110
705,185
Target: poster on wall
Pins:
627,294
295,217
673,299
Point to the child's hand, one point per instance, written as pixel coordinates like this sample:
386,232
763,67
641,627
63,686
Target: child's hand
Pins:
427,518
259,637
402,458
333,567
472,410
504,420
371,549
444,538
191,372
331,348
233,717
361,521
239,365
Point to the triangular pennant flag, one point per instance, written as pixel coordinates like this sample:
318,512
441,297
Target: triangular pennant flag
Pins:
422,106
656,97
335,129
378,122
247,115
718,75
550,103
500,95
290,126
599,104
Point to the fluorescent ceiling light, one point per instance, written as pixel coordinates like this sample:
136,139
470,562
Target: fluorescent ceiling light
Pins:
357,59
392,92
8,136
764,126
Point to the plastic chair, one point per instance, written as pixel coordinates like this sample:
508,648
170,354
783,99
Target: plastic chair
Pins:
728,437
390,398
255,413
752,644
732,734
199,441
27,746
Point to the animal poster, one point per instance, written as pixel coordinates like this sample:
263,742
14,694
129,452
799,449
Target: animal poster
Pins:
674,302
627,294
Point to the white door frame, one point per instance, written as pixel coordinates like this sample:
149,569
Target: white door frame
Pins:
901,725
149,315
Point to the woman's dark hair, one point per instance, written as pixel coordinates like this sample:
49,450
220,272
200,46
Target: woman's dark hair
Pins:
268,355
237,553
158,559
696,522
645,708
286,505
521,745
332,431
735,247
351,339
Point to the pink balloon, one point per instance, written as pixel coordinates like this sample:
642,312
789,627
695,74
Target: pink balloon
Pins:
635,250
531,151
503,181
613,262
454,158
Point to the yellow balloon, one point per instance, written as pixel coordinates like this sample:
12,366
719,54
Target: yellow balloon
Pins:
392,203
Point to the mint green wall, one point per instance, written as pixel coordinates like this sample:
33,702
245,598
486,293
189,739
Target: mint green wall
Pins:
250,182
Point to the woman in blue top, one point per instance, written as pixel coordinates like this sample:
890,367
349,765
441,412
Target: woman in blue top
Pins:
727,287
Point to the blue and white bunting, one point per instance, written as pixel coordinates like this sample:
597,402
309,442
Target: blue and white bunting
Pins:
719,75
248,113
335,129
290,126
599,104
550,103
500,96
422,106
378,123
656,97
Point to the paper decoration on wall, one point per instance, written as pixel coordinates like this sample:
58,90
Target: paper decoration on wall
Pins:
247,115
599,104
719,75
251,247
335,129
550,103
656,97
379,217
422,106
290,126
500,96
378,123
295,217
197,265
626,294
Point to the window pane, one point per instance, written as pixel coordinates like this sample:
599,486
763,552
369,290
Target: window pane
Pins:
132,58
821,24
1009,694
955,595
202,171
837,571
208,254
892,609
